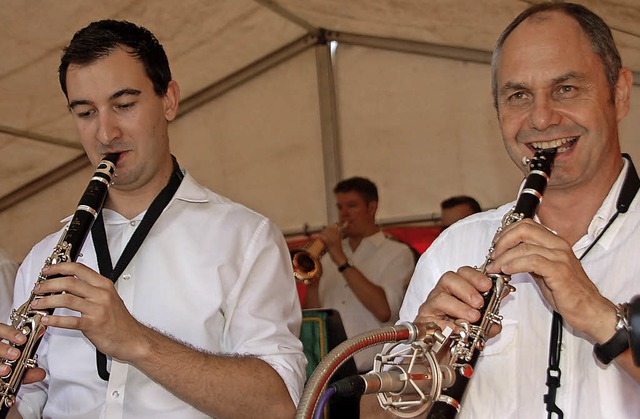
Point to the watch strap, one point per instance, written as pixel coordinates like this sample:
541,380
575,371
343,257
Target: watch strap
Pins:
619,342
634,328
610,350
344,266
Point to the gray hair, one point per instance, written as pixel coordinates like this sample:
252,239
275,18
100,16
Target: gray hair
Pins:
594,27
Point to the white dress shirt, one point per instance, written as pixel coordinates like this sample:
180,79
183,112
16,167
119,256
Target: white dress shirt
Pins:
8,269
509,380
382,261
211,273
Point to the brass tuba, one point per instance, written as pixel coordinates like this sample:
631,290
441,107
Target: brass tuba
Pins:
306,260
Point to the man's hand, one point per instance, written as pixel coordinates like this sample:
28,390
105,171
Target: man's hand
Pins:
456,296
103,317
7,351
527,246
331,236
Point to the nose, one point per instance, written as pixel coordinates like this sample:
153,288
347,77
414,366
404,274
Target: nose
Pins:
543,114
108,128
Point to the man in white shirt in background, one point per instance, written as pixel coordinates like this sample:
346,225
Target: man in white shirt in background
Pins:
363,270
8,269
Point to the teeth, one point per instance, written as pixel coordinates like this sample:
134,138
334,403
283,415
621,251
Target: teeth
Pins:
554,144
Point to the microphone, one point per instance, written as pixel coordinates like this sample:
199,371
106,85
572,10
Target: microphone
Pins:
407,380
407,377
397,380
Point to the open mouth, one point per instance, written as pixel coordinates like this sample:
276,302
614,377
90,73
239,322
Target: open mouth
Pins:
561,144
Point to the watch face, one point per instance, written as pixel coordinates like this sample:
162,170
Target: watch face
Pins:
623,316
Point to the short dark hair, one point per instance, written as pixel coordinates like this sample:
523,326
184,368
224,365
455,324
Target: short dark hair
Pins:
366,188
460,200
602,42
101,38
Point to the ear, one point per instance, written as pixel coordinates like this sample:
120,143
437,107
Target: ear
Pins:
372,207
623,93
171,100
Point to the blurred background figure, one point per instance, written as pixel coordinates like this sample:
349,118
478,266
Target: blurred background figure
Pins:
8,269
451,210
457,208
363,270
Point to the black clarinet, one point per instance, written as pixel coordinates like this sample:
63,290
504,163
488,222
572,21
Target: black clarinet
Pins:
466,346
28,320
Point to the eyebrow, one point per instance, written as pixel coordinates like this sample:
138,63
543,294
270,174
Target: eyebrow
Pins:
569,76
572,75
511,86
116,95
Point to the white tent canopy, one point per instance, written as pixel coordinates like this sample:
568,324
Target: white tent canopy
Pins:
270,117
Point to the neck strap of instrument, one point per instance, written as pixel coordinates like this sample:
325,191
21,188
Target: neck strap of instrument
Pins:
99,236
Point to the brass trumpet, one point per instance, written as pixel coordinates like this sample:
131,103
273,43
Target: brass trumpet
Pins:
306,260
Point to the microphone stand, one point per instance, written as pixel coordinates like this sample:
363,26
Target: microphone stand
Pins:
426,339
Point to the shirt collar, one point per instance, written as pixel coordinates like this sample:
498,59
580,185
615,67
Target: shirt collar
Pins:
604,214
376,239
189,191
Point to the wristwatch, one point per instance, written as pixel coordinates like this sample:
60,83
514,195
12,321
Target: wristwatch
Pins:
344,266
619,343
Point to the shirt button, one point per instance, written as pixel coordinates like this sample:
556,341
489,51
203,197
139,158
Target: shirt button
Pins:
133,223
115,394
126,277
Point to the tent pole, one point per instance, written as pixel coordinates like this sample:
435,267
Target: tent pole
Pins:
331,152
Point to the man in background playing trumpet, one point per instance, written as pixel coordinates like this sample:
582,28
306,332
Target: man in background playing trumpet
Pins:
363,270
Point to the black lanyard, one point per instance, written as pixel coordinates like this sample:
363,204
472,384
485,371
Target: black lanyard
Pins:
628,191
99,235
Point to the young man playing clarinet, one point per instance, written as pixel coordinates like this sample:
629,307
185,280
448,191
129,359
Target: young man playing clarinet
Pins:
202,318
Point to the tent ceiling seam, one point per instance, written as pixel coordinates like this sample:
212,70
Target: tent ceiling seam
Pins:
248,72
413,47
26,191
39,137
288,15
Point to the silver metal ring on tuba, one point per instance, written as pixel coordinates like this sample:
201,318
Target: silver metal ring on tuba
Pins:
28,320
